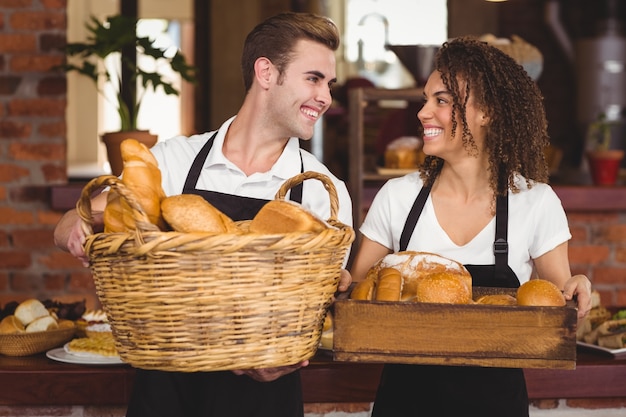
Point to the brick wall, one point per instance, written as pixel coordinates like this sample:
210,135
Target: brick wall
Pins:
32,157
32,154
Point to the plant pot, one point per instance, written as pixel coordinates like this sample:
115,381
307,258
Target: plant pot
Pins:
604,165
113,140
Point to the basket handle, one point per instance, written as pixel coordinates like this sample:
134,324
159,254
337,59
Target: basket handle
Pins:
83,205
328,184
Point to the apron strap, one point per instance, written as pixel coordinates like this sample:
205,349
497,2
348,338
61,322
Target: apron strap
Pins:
501,245
413,217
198,163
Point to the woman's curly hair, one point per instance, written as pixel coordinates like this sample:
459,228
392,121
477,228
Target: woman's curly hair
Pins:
517,132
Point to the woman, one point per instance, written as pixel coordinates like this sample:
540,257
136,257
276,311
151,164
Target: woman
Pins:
482,199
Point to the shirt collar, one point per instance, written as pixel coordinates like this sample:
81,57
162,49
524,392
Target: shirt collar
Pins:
288,162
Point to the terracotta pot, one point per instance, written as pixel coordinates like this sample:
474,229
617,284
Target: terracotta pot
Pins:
604,165
112,140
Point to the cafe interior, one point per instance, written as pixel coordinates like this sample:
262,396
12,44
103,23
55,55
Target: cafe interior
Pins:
51,123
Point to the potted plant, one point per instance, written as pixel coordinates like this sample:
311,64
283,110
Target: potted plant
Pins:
604,162
118,35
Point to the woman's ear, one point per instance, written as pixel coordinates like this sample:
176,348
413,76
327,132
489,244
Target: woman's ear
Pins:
484,120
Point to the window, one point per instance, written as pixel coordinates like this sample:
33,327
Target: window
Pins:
370,24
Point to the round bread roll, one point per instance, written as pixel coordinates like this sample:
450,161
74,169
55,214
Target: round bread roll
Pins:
540,292
42,324
11,324
389,286
497,299
30,310
442,287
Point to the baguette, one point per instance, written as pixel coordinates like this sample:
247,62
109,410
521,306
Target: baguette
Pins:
142,176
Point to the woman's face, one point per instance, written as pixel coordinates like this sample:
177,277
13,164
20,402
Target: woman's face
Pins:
436,119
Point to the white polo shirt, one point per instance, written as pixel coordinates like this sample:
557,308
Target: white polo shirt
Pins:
537,224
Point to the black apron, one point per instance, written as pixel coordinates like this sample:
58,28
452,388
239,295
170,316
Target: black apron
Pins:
456,391
221,393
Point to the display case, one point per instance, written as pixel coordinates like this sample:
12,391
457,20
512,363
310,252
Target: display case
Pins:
375,116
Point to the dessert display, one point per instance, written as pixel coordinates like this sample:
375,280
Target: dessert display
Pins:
404,153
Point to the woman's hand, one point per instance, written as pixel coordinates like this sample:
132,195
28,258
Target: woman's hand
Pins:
270,374
579,287
344,281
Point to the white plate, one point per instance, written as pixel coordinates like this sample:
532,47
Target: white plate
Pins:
614,352
60,355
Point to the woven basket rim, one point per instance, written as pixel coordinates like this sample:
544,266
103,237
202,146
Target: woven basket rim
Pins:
29,343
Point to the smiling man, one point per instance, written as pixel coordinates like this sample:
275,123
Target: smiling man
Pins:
288,65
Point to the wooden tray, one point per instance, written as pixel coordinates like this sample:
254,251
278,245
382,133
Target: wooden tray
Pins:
444,334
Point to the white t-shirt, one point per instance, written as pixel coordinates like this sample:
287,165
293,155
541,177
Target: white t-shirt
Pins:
176,155
537,224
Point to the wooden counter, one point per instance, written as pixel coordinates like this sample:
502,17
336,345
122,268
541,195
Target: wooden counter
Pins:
38,381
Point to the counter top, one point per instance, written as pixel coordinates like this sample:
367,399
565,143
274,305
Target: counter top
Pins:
37,380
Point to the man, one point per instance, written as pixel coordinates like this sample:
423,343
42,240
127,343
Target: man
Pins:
288,68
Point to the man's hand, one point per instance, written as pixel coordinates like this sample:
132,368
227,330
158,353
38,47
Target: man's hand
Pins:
270,374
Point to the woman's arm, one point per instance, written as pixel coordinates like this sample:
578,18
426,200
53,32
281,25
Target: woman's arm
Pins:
368,254
554,266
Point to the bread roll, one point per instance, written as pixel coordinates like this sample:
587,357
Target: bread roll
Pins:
497,299
442,287
389,287
142,176
42,324
539,292
284,216
190,213
363,290
11,324
30,310
113,215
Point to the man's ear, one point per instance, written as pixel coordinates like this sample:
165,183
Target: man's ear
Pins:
263,71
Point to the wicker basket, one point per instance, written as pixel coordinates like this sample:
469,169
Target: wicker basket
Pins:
200,302
26,344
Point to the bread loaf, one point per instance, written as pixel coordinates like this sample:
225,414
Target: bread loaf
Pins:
414,265
389,286
142,176
284,216
539,292
190,213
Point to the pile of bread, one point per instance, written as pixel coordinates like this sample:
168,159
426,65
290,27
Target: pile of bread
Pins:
32,316
602,328
430,278
190,213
